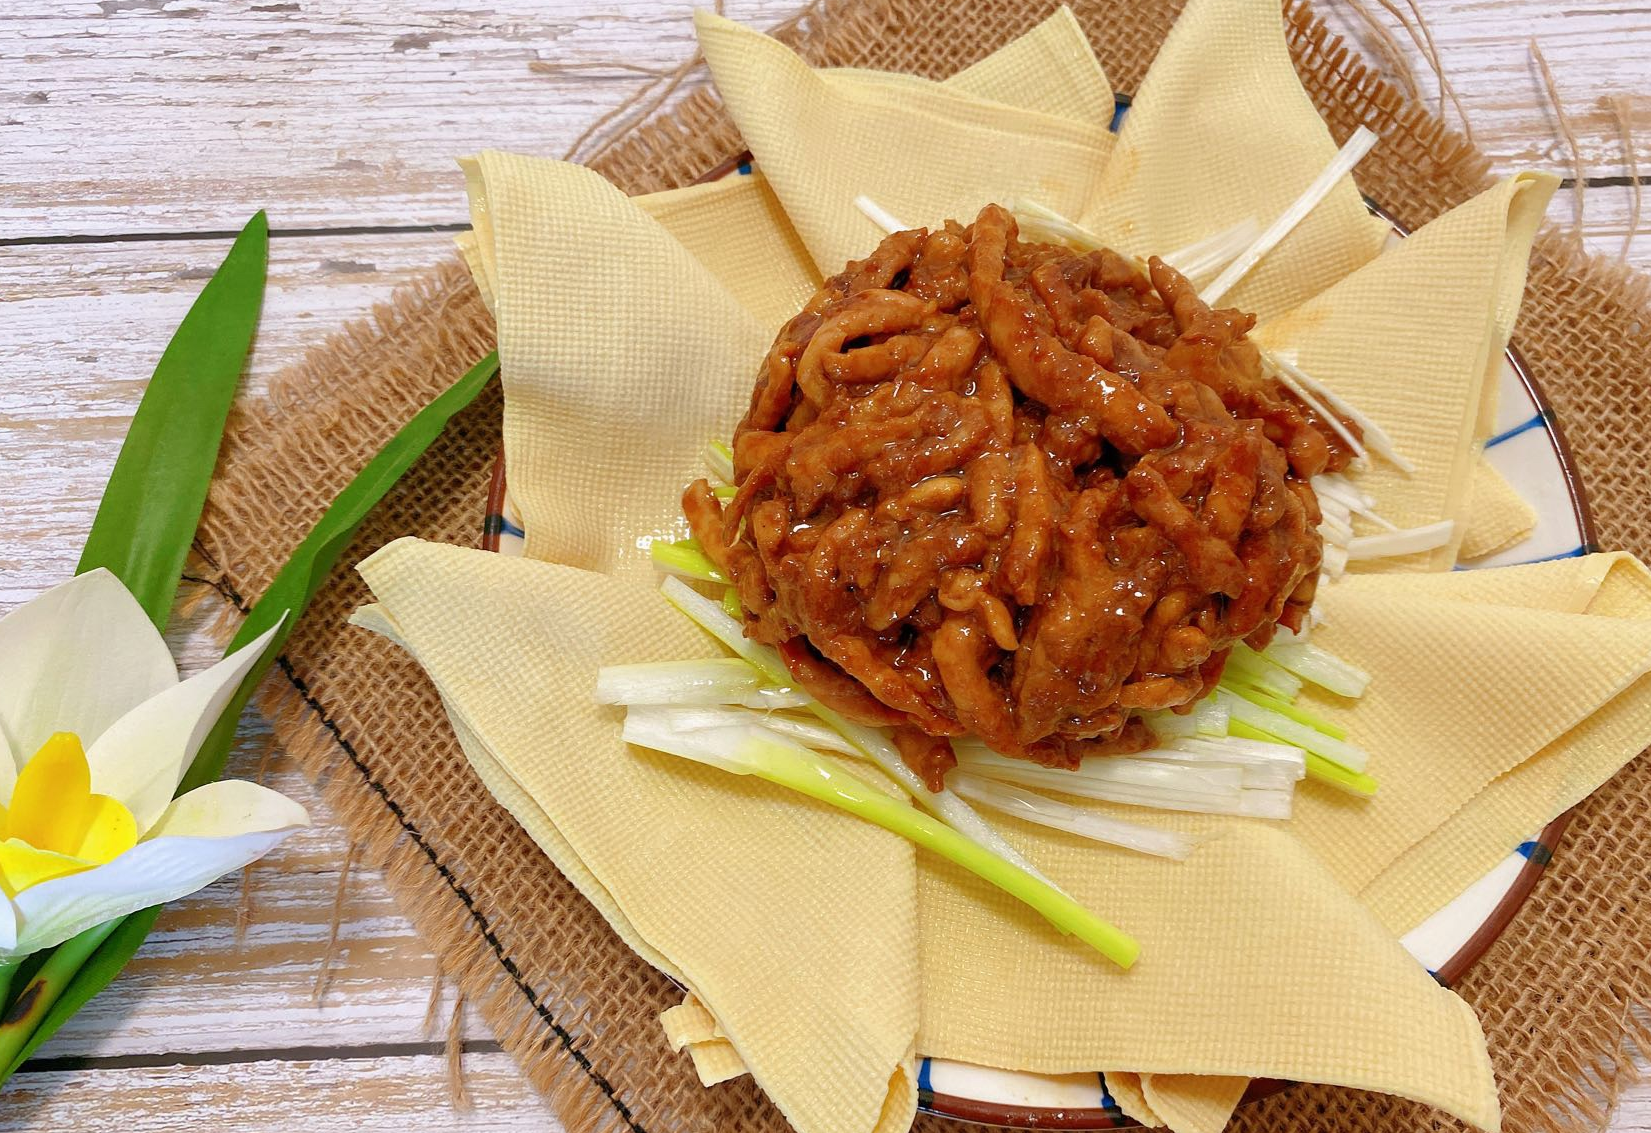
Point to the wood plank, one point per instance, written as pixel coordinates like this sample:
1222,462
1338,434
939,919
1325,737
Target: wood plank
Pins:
1633,1111
84,326
268,97
1596,49
326,113
200,983
391,1094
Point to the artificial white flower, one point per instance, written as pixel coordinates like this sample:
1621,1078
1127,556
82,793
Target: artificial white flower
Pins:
96,732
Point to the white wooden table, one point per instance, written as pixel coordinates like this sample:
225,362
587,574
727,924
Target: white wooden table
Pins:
135,136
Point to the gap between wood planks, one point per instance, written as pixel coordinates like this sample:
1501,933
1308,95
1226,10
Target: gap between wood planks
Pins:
227,234
269,1054
1617,181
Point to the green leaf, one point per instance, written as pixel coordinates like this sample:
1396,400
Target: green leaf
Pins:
297,582
287,597
150,509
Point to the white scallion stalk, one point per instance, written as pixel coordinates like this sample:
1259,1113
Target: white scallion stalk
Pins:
879,215
1207,718
719,680
1205,257
1295,636
1320,666
1259,776
751,751
1350,756
1122,779
1408,541
1032,807
1335,488
1233,751
1169,726
1374,435
1253,668
719,459
1342,164
1275,805
945,805
1289,377
1335,561
810,734
700,718
1043,223
1336,529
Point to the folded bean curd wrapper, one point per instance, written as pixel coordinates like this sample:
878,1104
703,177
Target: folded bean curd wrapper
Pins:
821,954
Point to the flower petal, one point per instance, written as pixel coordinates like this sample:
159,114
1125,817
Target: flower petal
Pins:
8,773
76,659
150,873
228,807
22,866
108,830
53,809
8,927
50,793
144,754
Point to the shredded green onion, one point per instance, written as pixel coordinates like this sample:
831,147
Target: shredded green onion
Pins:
718,680
751,751
1205,788
1265,674
1030,806
1342,164
1353,782
711,617
1320,666
719,458
879,215
1285,707
1409,541
685,560
1281,729
1207,718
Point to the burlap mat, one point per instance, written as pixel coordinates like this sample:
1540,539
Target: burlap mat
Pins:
1558,994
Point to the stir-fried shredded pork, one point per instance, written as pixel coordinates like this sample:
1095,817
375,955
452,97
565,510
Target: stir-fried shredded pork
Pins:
1003,488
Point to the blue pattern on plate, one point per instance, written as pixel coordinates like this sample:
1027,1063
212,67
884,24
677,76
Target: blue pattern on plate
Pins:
1573,553
1120,107
1535,852
1106,1098
1535,422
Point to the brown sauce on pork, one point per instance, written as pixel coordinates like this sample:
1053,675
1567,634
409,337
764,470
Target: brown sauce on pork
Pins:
1004,488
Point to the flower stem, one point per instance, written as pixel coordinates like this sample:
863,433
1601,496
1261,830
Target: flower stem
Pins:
38,995
8,971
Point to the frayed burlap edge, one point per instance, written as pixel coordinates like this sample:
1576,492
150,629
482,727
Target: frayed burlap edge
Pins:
407,352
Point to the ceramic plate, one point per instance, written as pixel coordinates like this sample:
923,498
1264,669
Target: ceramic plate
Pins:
1529,451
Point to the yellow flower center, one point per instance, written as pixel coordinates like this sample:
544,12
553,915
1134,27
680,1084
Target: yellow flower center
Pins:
54,825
